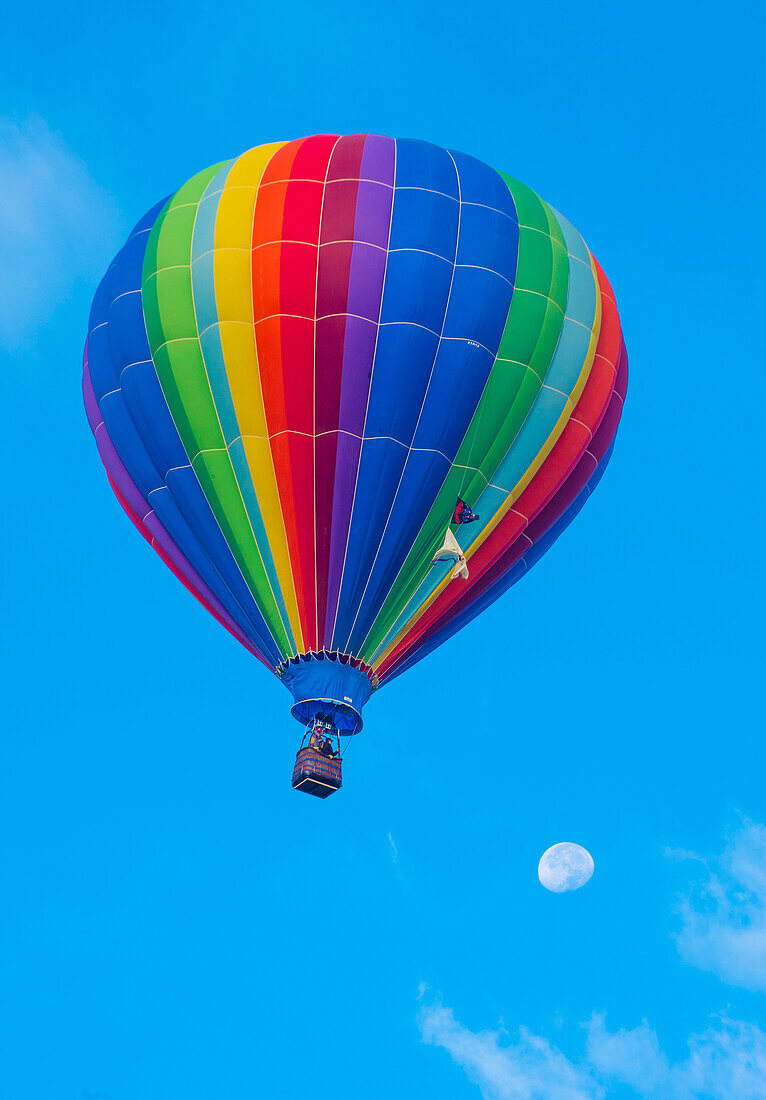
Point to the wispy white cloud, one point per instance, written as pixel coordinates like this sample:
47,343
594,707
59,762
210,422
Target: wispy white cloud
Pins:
527,1069
629,1056
394,849
727,1060
723,918
57,226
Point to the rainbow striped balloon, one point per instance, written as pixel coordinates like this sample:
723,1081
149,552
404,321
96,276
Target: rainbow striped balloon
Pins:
310,362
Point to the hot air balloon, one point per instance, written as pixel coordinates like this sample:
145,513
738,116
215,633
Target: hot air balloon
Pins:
351,389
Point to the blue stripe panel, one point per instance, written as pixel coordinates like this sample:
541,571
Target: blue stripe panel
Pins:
138,422
475,313
507,580
424,230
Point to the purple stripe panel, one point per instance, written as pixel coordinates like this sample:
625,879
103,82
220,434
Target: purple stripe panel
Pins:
336,246
365,294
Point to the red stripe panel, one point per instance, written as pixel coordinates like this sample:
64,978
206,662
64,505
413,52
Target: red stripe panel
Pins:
285,258
553,473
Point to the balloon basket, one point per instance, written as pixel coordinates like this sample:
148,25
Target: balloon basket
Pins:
314,773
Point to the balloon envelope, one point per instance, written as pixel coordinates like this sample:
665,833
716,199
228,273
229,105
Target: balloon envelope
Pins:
312,361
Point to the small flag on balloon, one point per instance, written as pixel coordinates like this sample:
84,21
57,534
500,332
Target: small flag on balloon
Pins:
463,513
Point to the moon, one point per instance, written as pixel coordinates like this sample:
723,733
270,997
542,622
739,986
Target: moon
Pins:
564,867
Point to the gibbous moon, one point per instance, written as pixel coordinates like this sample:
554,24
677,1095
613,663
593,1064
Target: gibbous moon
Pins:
565,866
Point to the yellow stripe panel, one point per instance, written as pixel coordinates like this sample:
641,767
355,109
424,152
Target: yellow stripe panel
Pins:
234,303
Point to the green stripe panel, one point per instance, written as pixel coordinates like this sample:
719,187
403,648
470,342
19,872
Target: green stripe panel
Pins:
206,312
171,326
529,340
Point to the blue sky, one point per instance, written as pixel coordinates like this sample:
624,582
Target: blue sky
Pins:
161,887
